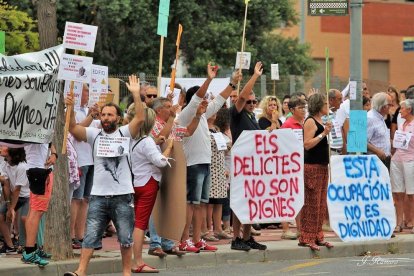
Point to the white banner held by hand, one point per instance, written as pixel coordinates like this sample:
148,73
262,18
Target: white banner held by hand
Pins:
244,59
75,68
274,70
80,36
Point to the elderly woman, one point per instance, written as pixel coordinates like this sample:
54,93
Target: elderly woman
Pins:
146,161
402,164
269,119
315,173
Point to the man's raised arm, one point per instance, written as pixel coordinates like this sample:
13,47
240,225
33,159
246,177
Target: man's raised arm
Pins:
138,120
78,131
247,89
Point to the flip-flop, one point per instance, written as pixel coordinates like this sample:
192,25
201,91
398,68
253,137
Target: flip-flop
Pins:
313,246
325,243
140,268
69,273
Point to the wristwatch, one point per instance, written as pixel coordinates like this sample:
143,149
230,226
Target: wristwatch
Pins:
320,136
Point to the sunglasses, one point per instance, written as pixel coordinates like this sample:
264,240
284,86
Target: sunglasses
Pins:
251,102
151,96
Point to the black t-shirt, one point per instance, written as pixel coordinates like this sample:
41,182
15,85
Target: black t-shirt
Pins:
264,123
241,121
395,116
319,154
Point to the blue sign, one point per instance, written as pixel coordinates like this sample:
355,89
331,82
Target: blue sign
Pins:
357,135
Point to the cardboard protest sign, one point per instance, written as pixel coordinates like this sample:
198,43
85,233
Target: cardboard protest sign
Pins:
176,94
170,206
77,92
266,176
274,70
75,68
243,59
98,84
360,202
29,95
80,36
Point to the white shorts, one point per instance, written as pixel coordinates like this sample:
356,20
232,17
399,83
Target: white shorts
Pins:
402,177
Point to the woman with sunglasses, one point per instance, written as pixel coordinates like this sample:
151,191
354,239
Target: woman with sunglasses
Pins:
269,119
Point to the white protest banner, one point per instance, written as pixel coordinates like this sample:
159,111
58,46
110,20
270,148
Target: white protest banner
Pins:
77,92
75,68
401,139
266,176
274,70
29,95
112,146
176,94
244,59
80,36
360,202
98,84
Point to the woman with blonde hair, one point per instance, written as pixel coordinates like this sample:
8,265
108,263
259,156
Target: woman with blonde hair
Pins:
146,161
271,110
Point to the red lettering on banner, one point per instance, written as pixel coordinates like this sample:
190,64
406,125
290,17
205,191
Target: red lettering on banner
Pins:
254,188
265,144
290,185
293,157
277,207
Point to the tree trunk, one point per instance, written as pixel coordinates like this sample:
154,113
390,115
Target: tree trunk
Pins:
57,230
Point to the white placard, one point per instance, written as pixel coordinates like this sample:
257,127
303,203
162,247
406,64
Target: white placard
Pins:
112,146
176,94
29,95
266,176
401,139
299,135
98,84
274,70
80,36
352,90
244,59
76,68
220,141
360,203
77,92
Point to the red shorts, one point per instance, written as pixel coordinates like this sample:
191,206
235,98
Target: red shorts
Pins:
144,200
41,202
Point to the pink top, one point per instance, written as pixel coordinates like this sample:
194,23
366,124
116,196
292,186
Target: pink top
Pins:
291,123
404,155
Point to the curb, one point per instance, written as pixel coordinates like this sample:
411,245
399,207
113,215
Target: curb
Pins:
110,262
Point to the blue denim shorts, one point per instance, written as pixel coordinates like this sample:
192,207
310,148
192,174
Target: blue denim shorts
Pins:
86,181
102,209
198,183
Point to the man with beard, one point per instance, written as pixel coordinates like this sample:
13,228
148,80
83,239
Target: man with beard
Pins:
112,190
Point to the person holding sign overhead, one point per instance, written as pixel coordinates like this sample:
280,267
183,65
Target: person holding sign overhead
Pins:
112,191
402,163
315,173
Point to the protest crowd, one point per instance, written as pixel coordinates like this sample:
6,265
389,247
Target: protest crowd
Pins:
115,195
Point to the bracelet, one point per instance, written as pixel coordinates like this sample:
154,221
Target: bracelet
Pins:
55,154
232,85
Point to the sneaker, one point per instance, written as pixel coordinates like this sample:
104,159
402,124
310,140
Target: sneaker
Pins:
188,246
76,244
203,246
289,235
255,245
43,254
8,250
239,244
33,258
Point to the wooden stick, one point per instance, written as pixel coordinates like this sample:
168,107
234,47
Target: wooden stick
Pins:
160,66
172,82
274,87
68,114
243,44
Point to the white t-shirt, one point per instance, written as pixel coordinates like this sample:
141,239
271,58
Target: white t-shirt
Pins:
146,159
36,155
112,175
17,177
197,148
83,149
343,112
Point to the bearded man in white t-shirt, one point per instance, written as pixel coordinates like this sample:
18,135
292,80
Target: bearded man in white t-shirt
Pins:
112,190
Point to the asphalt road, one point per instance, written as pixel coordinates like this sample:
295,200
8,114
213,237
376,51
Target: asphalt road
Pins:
388,265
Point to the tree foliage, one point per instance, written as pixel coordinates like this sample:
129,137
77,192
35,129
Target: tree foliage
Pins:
20,28
127,40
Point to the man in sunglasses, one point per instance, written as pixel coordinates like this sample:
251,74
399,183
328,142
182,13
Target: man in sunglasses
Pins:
243,118
150,95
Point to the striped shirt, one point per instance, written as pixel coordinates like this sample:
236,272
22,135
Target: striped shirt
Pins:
378,133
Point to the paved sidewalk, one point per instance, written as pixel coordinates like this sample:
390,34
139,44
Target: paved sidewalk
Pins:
108,260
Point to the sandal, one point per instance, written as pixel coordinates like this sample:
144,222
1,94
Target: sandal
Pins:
140,269
209,237
175,251
157,252
398,229
312,246
325,243
223,235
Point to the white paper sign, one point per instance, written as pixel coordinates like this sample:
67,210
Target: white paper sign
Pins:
243,59
112,146
274,70
77,92
80,36
176,94
98,84
220,141
29,95
401,139
360,203
76,68
352,90
266,176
